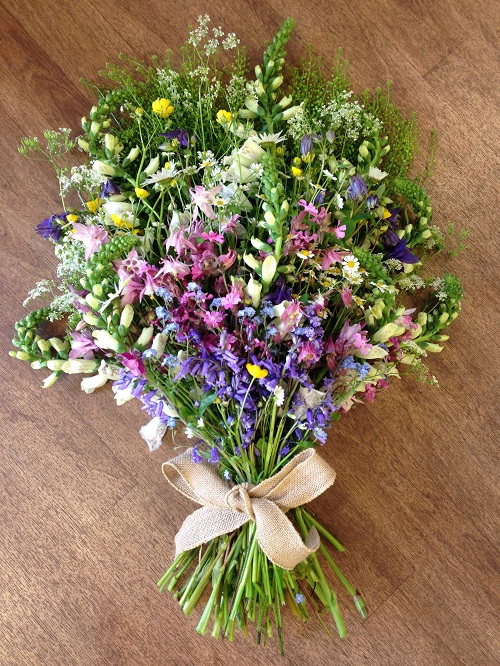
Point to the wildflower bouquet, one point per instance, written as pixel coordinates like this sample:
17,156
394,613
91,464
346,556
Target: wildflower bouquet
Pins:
240,254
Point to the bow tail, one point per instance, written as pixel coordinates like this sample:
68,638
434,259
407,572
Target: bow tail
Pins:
206,524
274,530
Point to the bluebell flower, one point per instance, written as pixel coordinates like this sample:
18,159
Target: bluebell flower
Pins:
195,455
372,201
214,455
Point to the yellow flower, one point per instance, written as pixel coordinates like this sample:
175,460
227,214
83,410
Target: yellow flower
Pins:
296,172
309,157
256,371
72,217
386,214
120,222
139,111
223,117
141,193
297,161
162,107
94,205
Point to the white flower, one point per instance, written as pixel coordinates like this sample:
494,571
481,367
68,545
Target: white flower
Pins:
350,268
339,202
271,138
329,174
279,394
189,432
376,173
161,175
153,433
200,423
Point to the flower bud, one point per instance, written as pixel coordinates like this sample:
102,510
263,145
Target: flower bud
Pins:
90,384
285,206
363,151
253,290
75,366
252,105
133,154
50,380
55,364
443,318
276,82
110,142
388,331
152,166
251,261
126,316
91,319
43,345
105,340
269,218
59,345
103,168
431,347
93,302
290,113
269,269
95,127
145,336
284,102
23,356
260,245
422,318
84,145
158,344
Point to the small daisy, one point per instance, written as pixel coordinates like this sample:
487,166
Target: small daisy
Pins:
279,395
329,174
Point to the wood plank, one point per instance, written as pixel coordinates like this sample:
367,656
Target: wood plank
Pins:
87,519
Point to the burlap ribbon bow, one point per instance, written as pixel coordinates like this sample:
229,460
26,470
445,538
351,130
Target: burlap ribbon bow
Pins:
225,508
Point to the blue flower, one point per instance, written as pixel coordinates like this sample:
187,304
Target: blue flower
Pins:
357,188
299,598
108,188
372,201
181,135
51,227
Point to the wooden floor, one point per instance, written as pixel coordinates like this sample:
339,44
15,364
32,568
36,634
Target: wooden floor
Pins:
87,520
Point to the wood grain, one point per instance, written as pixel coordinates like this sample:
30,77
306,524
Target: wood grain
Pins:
87,520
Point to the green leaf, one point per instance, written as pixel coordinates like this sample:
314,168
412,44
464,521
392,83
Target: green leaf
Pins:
206,401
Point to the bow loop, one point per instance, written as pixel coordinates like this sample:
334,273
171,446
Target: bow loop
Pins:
225,509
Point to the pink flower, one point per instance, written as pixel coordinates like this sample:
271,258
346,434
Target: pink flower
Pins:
308,353
213,319
330,257
308,207
174,267
346,296
92,237
133,362
227,260
178,241
340,230
82,345
203,200
360,342
234,297
370,392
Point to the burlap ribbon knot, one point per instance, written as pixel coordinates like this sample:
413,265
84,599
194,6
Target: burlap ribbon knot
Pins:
225,508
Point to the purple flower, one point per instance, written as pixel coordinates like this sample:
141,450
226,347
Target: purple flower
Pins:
51,227
357,188
306,144
108,188
195,455
179,134
372,201
214,455
402,253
